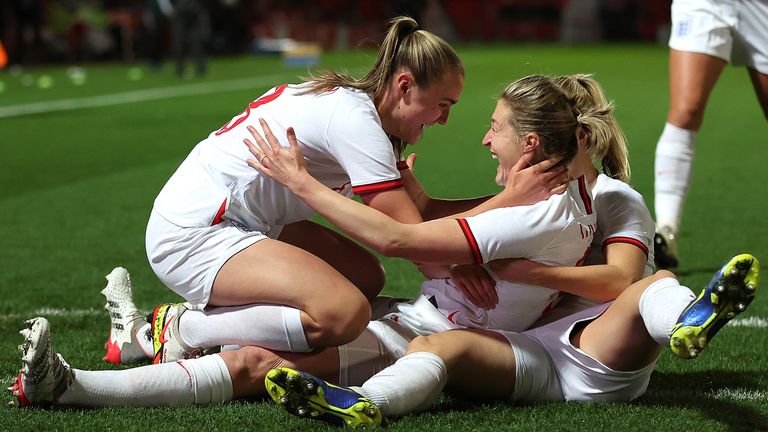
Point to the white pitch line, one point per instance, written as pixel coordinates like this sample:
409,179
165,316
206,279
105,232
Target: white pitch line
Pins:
57,312
137,96
754,322
739,394
143,95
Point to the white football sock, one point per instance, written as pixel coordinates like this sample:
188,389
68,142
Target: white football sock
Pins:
410,385
674,165
661,305
200,381
268,326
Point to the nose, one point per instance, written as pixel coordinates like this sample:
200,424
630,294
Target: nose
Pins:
487,139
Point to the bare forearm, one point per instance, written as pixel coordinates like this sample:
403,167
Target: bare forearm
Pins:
435,208
490,202
596,282
361,222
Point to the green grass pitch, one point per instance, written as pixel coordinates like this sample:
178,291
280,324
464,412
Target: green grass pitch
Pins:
78,184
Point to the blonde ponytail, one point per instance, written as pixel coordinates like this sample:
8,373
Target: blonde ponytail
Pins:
405,45
607,143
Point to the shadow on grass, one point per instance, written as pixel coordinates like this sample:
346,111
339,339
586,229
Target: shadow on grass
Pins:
692,391
697,390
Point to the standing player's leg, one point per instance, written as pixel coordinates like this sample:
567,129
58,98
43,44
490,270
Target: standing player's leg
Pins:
760,83
692,76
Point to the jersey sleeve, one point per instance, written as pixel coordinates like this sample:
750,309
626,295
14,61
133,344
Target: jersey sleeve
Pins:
357,141
510,232
625,219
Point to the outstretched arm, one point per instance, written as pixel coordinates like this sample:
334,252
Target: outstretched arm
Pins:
527,184
438,241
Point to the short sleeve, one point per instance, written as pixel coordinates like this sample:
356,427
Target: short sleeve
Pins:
357,141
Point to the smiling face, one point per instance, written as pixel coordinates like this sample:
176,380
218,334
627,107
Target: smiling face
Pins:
419,107
504,142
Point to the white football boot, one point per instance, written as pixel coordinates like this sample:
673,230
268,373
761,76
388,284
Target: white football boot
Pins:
44,374
123,345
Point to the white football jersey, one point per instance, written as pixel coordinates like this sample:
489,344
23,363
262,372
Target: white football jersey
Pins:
339,133
556,232
622,217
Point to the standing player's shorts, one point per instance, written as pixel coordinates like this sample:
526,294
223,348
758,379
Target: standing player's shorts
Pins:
733,30
550,368
187,260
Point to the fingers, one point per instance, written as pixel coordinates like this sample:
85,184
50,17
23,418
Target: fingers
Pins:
489,285
469,294
291,134
273,142
522,163
478,292
263,147
487,291
411,161
557,190
548,164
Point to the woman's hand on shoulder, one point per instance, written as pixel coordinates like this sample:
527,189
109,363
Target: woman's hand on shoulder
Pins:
286,166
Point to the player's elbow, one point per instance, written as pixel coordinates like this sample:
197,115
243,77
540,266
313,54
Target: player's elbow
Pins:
392,242
616,285
392,247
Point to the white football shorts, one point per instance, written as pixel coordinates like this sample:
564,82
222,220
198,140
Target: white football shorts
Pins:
550,368
187,260
385,340
733,30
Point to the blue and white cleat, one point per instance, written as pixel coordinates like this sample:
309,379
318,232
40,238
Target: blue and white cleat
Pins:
308,396
729,293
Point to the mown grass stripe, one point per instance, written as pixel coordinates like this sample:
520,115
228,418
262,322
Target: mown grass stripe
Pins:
138,96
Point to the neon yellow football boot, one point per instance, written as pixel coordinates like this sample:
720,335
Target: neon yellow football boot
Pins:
729,293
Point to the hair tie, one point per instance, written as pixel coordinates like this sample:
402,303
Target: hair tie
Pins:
410,31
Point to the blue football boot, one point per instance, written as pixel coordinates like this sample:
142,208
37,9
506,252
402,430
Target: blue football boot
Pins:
729,293
308,396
